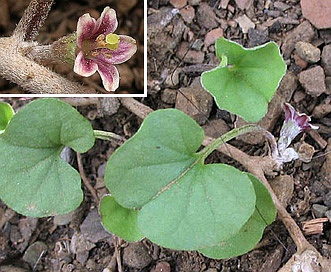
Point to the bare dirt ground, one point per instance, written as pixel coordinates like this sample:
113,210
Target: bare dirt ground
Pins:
181,35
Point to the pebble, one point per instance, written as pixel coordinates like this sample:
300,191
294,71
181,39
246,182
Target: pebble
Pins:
216,128
178,3
34,252
63,219
327,199
283,187
212,36
169,96
303,32
281,6
326,59
319,210
206,16
162,267
313,81
92,227
195,101
317,12
187,14
190,56
244,4
136,255
245,23
172,79
9,268
257,36
308,52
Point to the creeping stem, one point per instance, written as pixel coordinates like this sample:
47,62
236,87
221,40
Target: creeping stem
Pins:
108,136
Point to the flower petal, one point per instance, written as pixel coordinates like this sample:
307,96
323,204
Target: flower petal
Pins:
110,77
107,22
86,27
126,49
84,67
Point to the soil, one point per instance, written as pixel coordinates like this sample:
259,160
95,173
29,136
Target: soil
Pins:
180,46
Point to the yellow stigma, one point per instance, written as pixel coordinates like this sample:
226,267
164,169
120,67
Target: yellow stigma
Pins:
112,41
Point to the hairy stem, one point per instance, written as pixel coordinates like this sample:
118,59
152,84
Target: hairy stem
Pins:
32,20
31,76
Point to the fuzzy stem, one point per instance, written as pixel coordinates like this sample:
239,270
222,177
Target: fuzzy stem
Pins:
32,20
31,76
106,135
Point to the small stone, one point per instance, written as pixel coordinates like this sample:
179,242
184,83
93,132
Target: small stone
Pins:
216,128
319,210
34,252
92,228
283,187
9,268
303,32
206,16
172,79
244,4
326,59
245,23
136,255
328,215
317,12
63,219
162,267
281,6
187,14
81,247
313,81
178,3
257,36
195,101
190,56
300,62
212,36
308,52
327,199
169,96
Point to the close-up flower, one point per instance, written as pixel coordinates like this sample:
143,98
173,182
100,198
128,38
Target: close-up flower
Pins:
100,49
294,124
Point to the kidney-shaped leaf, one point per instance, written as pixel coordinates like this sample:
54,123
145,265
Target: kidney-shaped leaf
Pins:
246,82
34,180
251,233
181,203
119,220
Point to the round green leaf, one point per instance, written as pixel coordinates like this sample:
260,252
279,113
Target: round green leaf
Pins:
6,113
210,203
250,234
249,79
34,180
119,220
159,152
182,203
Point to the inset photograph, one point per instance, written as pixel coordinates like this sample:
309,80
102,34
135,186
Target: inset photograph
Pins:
72,48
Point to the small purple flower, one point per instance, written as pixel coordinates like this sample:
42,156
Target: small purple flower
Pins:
294,123
99,49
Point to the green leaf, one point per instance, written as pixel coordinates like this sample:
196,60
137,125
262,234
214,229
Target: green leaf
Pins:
251,233
6,113
119,220
249,79
34,180
182,203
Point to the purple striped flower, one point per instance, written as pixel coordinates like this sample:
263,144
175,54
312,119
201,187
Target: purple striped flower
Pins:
99,49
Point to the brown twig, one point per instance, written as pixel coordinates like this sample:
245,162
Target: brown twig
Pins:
86,180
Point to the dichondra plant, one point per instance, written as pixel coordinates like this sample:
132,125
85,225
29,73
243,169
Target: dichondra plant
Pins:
160,187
